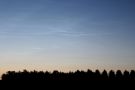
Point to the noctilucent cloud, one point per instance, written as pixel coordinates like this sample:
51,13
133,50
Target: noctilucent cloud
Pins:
67,34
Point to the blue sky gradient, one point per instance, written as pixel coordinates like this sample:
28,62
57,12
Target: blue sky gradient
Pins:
67,34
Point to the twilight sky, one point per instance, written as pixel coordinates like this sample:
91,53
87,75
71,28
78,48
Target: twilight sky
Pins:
67,34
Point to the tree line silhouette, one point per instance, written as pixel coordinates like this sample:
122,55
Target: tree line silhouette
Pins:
77,75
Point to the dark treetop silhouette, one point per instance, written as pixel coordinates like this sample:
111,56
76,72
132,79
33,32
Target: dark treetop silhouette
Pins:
77,75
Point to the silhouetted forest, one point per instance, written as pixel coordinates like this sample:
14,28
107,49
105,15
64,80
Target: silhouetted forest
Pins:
77,75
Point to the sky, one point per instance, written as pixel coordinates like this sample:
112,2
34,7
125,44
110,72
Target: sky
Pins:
67,34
